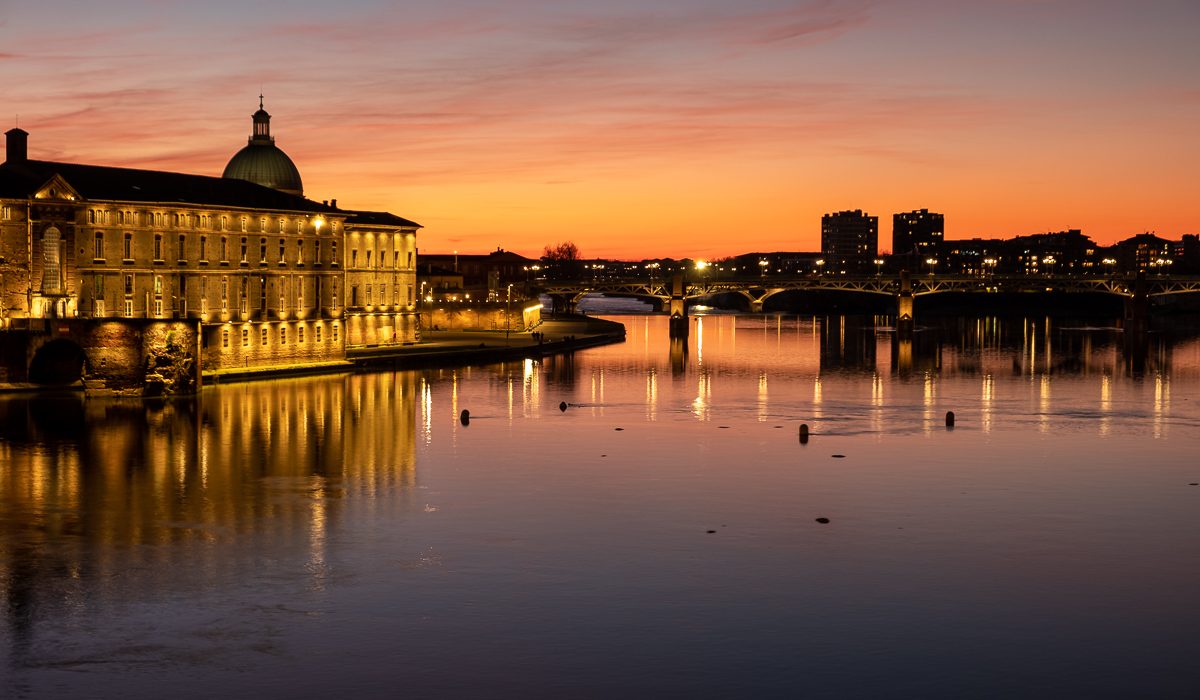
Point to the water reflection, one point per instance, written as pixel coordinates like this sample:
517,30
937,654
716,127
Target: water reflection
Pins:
95,494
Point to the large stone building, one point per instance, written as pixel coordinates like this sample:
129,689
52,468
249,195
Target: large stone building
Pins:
258,274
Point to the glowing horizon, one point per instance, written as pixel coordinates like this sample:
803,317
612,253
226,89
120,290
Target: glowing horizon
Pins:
695,129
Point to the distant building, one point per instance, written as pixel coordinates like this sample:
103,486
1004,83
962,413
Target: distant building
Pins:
917,233
486,277
849,239
1145,252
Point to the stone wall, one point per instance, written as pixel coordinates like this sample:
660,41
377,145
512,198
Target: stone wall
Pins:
259,344
482,317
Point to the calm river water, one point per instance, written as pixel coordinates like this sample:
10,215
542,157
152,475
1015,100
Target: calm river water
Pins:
348,537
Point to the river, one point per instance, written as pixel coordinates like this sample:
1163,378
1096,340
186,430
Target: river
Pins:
350,536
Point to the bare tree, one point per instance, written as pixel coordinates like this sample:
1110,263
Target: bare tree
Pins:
562,252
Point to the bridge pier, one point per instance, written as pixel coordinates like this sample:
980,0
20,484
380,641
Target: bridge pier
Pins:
1137,307
677,307
904,305
756,306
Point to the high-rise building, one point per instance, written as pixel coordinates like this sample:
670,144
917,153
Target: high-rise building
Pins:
849,235
918,232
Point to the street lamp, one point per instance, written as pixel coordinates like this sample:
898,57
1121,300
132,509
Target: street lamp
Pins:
878,267
762,267
932,262
507,312
820,266
1049,261
989,263
1111,263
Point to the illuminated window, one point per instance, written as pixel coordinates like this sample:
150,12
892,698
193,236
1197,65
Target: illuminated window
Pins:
158,284
224,292
245,337
128,247
224,223
299,334
282,252
224,249
262,224
335,332
264,336
299,252
204,249
98,251
6,214
283,335
262,250
244,224
224,337
243,258
282,225
317,332
333,258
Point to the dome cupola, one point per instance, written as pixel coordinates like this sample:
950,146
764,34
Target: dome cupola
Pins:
262,162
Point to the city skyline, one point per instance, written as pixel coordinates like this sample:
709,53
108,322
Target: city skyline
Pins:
694,129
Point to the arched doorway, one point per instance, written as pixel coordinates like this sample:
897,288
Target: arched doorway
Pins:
57,363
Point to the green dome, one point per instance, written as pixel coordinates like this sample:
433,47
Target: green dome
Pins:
262,162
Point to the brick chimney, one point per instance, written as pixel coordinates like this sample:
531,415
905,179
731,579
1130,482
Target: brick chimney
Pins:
17,145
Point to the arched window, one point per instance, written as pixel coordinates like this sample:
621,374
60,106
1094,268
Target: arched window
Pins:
52,261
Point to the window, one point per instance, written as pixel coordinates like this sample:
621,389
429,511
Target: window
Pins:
98,251
264,336
283,335
6,213
182,249
317,332
300,226
299,334
128,247
158,306
245,337
128,285
129,307
333,258
224,249
120,218
282,252
368,258
299,252
395,258
224,337
158,219
410,295
354,258
300,295
262,250
204,249
282,224
158,285
410,256
158,247
368,295
243,224
335,332
262,224
224,223
354,295
243,258
224,292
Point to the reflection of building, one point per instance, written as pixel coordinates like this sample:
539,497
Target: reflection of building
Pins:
849,239
269,276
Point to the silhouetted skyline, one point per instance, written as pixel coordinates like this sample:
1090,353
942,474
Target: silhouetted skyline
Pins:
688,128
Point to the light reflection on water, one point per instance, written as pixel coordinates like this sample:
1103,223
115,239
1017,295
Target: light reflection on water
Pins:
348,535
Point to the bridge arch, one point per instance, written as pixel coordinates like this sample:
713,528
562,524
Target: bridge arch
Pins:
58,362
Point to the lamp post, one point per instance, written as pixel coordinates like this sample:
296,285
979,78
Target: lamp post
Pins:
879,267
762,267
820,266
1049,261
932,262
507,311
1111,264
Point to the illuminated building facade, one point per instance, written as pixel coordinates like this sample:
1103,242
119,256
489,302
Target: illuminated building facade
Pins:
248,263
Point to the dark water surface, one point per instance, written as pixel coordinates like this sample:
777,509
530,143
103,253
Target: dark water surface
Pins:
347,537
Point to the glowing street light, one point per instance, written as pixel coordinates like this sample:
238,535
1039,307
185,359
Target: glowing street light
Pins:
878,267
932,262
820,266
762,267
1111,263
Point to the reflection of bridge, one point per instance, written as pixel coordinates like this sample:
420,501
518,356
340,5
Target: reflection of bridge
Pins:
758,290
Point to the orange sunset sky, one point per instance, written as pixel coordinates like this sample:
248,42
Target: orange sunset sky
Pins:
680,128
